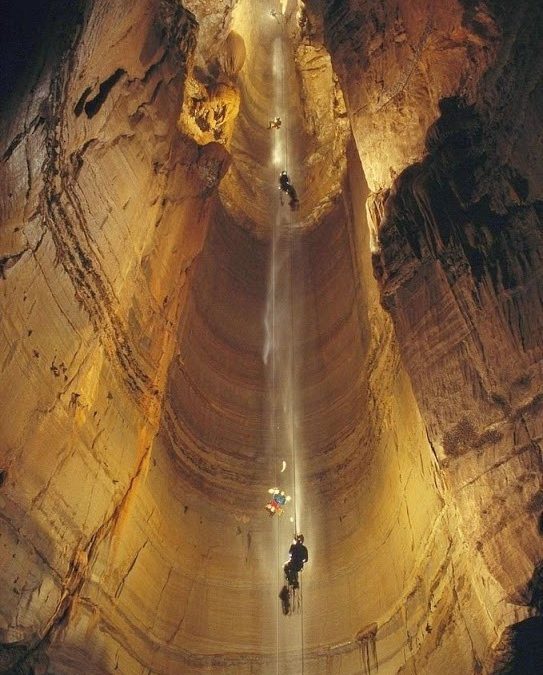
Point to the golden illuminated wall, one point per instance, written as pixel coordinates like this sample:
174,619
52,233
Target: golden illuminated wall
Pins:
138,201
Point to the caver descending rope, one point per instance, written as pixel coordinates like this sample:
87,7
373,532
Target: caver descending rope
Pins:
291,335
281,328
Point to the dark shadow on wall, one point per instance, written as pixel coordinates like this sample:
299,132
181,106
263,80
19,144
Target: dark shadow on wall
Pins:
467,212
534,590
440,204
460,196
20,36
30,32
17,658
21,659
520,650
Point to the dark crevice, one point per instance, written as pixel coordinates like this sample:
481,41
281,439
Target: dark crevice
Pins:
94,105
33,36
79,105
10,261
18,658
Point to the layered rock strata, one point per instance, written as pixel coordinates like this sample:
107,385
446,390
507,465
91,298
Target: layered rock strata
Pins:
95,256
456,235
138,452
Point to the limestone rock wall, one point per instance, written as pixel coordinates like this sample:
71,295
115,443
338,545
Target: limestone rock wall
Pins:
103,211
449,139
395,61
136,460
393,524
471,295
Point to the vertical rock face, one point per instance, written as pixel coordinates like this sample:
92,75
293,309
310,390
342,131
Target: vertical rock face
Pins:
135,453
457,241
468,290
395,61
94,252
463,284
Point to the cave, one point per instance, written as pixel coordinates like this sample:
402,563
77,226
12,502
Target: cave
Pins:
180,336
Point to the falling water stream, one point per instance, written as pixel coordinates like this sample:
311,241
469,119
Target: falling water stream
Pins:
280,359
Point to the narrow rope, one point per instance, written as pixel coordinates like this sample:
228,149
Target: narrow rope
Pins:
285,109
291,242
274,431
291,235
273,404
291,374
283,101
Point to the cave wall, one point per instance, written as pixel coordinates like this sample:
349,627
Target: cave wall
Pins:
481,281
103,210
385,518
135,390
450,140
395,61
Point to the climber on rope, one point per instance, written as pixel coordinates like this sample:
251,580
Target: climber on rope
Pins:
277,501
275,123
286,186
298,556
284,181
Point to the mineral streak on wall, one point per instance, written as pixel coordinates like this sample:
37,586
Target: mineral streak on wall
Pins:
135,197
